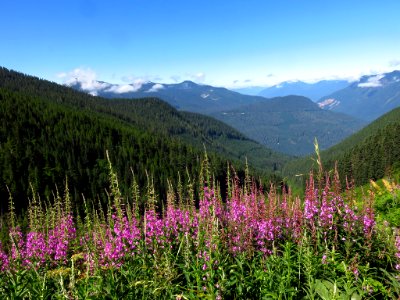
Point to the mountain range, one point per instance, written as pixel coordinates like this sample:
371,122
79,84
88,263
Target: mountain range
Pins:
368,98
185,96
282,124
314,91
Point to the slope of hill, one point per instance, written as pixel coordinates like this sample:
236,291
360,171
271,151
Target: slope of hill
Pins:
156,116
368,154
368,98
290,124
49,131
187,96
314,91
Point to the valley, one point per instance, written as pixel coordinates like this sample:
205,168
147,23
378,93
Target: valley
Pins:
200,150
95,185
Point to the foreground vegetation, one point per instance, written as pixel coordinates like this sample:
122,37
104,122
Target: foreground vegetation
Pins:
254,245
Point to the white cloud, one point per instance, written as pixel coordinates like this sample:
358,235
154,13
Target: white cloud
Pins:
373,81
121,89
155,88
87,79
126,88
394,63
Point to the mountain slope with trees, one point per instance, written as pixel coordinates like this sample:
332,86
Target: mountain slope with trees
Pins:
290,124
156,116
370,153
49,133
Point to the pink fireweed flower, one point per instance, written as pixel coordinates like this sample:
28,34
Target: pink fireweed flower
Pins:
311,200
350,219
4,261
60,238
327,210
323,260
368,221
356,273
117,241
266,232
36,248
177,221
397,244
240,224
310,206
154,228
209,205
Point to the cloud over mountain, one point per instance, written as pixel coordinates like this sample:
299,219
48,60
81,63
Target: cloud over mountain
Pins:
373,81
87,79
156,87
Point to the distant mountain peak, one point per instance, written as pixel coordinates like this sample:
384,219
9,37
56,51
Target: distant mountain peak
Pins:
187,84
379,80
186,95
368,98
314,91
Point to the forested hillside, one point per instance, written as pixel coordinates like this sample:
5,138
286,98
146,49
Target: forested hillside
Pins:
154,115
49,133
370,153
290,124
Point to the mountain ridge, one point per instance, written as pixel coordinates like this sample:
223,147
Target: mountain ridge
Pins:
368,98
289,124
187,95
153,115
314,91
219,102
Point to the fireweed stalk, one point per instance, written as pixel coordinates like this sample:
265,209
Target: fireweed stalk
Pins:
250,224
247,223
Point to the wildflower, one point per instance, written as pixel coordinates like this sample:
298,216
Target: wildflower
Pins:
356,273
397,244
4,261
323,261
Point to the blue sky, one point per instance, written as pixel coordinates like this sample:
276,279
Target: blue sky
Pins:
224,43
